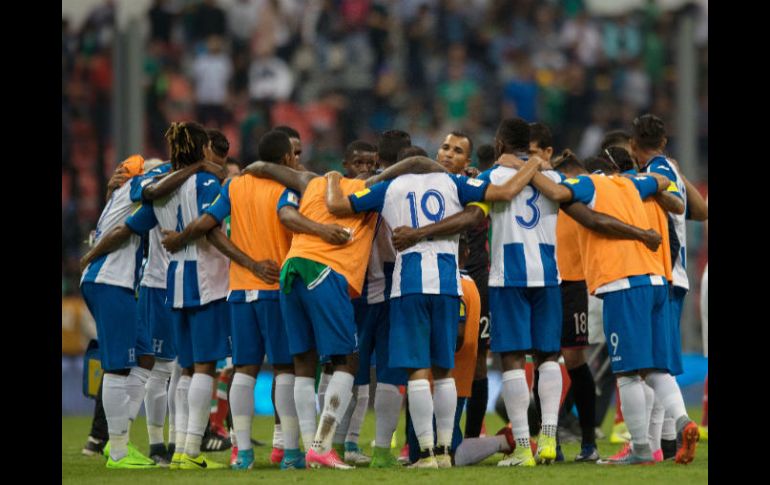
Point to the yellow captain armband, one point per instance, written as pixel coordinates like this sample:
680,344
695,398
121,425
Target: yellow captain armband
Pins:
672,187
361,193
483,205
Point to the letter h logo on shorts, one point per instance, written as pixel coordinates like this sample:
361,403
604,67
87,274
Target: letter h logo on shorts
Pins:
157,345
131,355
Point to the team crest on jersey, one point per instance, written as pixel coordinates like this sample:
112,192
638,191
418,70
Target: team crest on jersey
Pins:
571,181
362,193
208,182
672,187
475,182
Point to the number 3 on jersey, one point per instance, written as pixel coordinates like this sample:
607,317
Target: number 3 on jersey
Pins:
529,224
434,212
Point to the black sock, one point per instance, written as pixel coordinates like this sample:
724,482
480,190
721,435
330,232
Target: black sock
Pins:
476,408
584,391
534,415
99,429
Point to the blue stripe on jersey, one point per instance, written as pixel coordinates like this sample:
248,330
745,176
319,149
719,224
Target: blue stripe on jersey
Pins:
515,266
547,256
191,288
94,268
411,273
388,268
447,273
170,279
138,268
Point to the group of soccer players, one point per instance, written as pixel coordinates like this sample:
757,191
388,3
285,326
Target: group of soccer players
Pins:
191,266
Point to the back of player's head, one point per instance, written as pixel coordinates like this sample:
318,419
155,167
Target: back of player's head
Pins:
288,130
411,151
185,143
540,135
649,132
615,138
462,134
486,154
390,143
219,143
359,146
274,146
513,134
567,161
234,162
599,164
621,158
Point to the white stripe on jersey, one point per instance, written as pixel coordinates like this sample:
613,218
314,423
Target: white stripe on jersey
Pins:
382,252
155,268
119,267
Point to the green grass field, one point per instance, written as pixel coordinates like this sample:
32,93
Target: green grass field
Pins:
77,468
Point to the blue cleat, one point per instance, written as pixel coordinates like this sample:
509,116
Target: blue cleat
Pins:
588,453
244,461
293,460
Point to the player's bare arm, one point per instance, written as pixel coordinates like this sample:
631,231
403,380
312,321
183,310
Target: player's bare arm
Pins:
610,226
168,183
297,223
282,174
107,243
174,241
670,202
405,237
119,177
412,165
267,270
336,202
515,184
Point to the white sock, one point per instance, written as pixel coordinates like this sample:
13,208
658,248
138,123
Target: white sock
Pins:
359,413
176,373
670,396
323,383
516,397
338,396
549,389
476,450
387,408
669,427
656,424
287,411
242,407
199,399
135,388
304,400
115,402
344,423
444,407
277,434
156,401
633,405
182,412
421,410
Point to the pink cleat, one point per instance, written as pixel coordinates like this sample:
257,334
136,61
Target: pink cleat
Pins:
626,450
330,459
657,455
276,456
233,455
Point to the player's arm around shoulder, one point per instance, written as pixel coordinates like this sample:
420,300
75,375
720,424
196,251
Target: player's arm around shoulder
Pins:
293,179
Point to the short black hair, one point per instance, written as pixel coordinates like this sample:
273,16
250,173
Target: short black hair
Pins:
273,146
219,142
541,135
599,164
486,154
567,160
411,151
232,161
514,134
614,138
620,157
359,146
290,132
649,131
390,143
462,134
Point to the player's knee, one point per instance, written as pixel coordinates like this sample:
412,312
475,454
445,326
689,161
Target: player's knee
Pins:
441,373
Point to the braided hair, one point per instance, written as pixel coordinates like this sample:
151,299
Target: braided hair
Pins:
185,143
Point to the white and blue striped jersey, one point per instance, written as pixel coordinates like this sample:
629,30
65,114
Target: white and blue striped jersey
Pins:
429,267
678,236
382,260
121,266
523,242
156,265
198,274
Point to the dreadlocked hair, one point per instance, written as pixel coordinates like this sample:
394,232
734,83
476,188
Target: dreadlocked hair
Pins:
185,143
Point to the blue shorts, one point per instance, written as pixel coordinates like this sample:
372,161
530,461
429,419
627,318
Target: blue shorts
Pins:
424,331
155,315
114,310
524,319
257,327
373,321
321,318
676,304
202,333
628,326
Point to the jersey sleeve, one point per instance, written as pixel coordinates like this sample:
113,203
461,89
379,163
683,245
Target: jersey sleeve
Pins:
582,188
288,198
220,208
208,188
370,199
142,219
647,186
661,166
470,189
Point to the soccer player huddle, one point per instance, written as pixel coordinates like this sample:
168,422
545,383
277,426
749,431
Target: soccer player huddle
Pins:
411,265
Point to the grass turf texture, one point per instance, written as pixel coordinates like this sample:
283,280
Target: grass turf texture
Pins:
80,469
